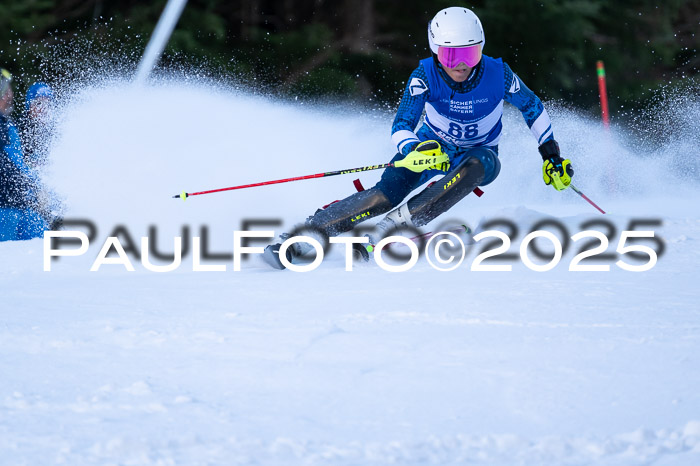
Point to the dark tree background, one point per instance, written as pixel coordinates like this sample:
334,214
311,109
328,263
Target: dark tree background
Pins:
363,49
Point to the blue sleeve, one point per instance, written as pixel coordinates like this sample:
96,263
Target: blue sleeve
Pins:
410,111
534,113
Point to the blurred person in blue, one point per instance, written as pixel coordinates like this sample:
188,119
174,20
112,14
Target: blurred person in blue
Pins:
461,92
19,216
37,126
37,129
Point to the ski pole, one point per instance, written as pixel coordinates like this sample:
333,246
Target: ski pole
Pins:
416,162
586,198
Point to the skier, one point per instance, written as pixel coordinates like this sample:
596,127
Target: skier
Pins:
18,185
462,93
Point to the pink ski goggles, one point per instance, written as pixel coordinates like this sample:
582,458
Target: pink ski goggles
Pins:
453,56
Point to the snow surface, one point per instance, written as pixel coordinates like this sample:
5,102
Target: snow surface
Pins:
334,367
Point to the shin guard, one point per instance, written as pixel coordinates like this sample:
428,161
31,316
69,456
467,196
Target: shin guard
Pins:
343,215
439,197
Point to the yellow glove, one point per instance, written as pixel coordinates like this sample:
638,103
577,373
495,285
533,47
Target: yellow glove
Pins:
555,170
427,155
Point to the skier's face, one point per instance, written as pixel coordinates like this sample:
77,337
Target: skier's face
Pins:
459,61
458,74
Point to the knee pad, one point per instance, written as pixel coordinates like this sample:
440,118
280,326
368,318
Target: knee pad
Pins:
489,159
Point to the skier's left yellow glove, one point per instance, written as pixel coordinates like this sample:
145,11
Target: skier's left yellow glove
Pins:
555,170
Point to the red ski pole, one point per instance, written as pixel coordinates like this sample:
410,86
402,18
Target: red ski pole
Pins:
185,195
586,198
415,161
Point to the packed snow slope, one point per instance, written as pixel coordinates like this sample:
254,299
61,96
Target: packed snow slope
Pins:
332,367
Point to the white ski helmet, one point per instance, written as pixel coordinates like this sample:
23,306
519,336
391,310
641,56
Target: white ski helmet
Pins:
455,27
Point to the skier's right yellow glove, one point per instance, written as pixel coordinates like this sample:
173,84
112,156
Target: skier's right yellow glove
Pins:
427,155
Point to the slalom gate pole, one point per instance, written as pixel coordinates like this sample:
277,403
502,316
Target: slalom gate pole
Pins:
586,198
161,35
185,195
602,90
605,111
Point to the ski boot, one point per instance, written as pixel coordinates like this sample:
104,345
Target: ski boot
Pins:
271,256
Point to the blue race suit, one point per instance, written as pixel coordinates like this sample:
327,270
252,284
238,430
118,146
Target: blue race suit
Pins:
461,117
18,218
